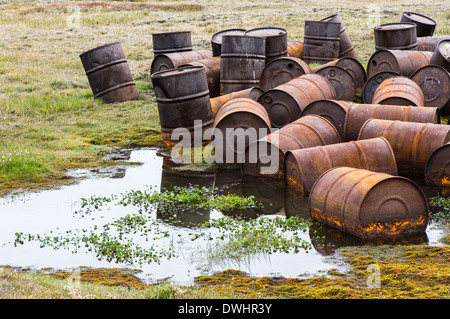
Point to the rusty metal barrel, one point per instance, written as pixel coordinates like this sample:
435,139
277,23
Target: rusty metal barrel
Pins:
304,166
345,44
398,91
356,70
372,83
295,49
252,93
342,81
108,73
430,43
276,41
282,70
424,25
358,114
216,39
321,41
242,62
266,156
285,103
441,56
434,81
168,42
368,204
212,69
437,171
403,62
183,97
413,143
334,111
174,60
240,122
395,36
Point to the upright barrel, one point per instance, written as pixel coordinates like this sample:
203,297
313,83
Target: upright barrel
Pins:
441,55
304,166
174,60
216,39
413,143
346,48
295,49
285,103
321,41
358,114
266,156
242,62
398,91
212,69
282,70
252,93
276,41
437,171
368,204
424,25
168,42
395,36
108,73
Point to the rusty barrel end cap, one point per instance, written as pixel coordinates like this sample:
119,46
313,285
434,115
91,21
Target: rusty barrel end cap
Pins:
341,80
434,82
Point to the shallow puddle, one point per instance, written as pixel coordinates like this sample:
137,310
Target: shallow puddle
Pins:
57,211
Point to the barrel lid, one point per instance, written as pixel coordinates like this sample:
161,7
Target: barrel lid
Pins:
170,33
419,18
342,82
217,37
444,49
266,32
395,26
99,48
434,81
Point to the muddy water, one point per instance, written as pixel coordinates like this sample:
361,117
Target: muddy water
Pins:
55,211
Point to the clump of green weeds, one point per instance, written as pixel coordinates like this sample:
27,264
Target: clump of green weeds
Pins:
440,208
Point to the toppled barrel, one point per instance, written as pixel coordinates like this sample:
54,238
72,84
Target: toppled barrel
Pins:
242,62
368,204
266,156
304,166
295,49
372,83
398,91
345,44
430,43
285,103
355,68
212,69
168,42
276,41
395,36
252,93
108,73
342,82
413,143
437,171
424,25
174,60
358,114
282,70
441,55
216,39
321,41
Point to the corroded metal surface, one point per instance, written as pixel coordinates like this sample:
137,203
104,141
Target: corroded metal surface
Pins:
168,42
242,62
276,41
355,68
216,39
286,102
430,43
295,49
395,36
342,81
398,91
372,83
212,69
173,60
252,93
437,171
308,131
304,166
441,55
424,25
358,114
282,70
321,41
368,204
345,44
413,143
108,73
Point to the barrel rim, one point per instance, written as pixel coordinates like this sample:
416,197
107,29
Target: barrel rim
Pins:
100,47
344,71
358,63
188,70
283,32
213,37
432,66
324,119
433,22
378,52
380,26
171,32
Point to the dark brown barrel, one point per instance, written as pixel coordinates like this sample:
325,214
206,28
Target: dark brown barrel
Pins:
355,68
240,122
437,172
282,70
430,43
333,110
108,73
174,60
395,36
398,91
169,42
182,95
252,93
295,49
321,41
323,66
304,166
276,41
424,25
441,56
403,62
372,83
266,156
342,81
212,69
242,62
345,44
413,143
286,102
358,114
434,81
216,39
368,204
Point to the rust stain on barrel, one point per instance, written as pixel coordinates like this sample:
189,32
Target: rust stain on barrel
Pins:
398,91
252,93
212,69
295,49
173,60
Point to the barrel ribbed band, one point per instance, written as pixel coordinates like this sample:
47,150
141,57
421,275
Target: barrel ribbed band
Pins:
105,65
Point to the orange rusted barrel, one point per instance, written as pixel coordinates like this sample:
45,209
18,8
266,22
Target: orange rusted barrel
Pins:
252,93
334,111
368,204
266,156
398,91
437,171
173,60
282,70
295,49
403,62
303,167
358,114
239,122
212,69
286,102
413,143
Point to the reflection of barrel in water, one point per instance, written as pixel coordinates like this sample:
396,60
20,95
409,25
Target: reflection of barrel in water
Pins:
295,204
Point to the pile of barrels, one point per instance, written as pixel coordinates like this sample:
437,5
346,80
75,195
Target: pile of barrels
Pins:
355,160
